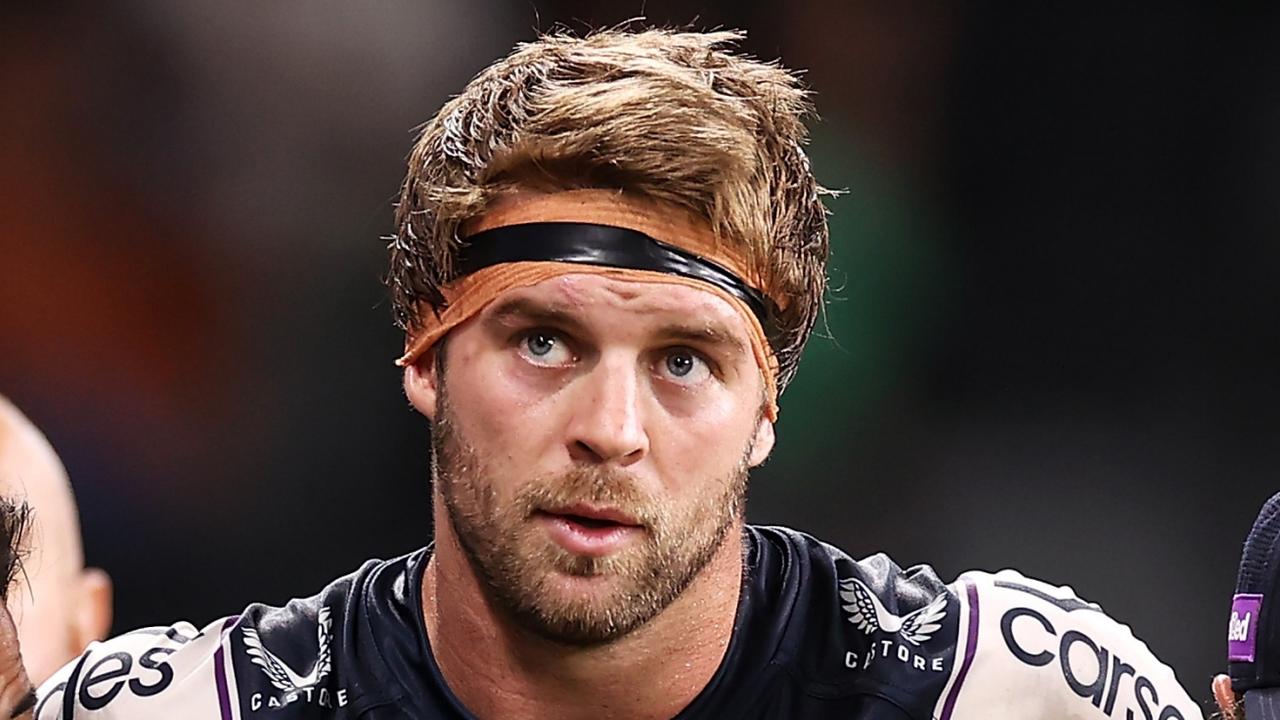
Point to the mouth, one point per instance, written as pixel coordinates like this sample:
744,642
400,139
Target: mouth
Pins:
585,521
590,531
592,516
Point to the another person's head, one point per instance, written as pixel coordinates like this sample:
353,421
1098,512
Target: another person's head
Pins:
585,382
58,604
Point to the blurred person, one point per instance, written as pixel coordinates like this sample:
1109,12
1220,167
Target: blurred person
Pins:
1251,686
59,605
609,254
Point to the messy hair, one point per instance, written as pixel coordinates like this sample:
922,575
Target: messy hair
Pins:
673,116
15,524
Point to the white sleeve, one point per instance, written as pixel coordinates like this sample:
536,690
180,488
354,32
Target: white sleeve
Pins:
1036,651
173,672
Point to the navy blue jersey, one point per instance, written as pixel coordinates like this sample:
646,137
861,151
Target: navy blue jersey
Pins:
817,635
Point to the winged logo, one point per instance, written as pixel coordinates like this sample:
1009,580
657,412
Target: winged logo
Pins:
281,675
866,612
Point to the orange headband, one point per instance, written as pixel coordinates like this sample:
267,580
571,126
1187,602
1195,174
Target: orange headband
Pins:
466,296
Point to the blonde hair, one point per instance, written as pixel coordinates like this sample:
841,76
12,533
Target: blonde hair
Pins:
674,116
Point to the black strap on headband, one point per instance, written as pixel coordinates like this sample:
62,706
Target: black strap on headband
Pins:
605,245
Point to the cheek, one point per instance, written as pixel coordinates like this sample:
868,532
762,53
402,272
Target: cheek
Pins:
702,447
502,411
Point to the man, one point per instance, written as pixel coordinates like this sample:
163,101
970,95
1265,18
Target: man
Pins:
59,605
609,254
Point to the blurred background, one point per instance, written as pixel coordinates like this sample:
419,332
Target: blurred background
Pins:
1052,340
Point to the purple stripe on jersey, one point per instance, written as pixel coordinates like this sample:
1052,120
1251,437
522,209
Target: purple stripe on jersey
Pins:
970,648
220,673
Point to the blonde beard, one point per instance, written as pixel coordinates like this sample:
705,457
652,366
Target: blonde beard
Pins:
518,564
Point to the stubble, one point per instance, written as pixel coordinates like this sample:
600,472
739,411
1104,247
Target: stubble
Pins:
523,569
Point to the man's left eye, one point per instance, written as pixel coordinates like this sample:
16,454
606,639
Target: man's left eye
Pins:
685,367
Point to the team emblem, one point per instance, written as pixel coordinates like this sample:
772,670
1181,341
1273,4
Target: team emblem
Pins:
866,612
284,677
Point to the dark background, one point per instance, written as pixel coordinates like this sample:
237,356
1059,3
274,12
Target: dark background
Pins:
1054,302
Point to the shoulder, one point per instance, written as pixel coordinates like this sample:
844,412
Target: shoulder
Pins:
847,630
157,671
267,657
988,645
1039,650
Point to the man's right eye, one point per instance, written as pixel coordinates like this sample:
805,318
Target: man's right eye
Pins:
541,347
540,344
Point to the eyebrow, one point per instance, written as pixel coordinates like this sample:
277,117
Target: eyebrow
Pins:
524,310
713,334
521,310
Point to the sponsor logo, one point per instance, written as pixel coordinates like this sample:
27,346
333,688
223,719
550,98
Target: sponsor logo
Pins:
1238,627
911,631
1092,670
111,676
1242,627
293,685
866,612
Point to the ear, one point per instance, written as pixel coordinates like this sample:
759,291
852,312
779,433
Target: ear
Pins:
422,385
763,443
1225,697
93,609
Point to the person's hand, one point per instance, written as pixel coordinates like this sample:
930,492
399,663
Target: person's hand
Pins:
17,696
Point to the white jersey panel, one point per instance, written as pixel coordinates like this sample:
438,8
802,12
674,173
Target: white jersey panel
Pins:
1034,651
173,672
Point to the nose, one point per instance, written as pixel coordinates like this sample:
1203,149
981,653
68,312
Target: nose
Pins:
607,423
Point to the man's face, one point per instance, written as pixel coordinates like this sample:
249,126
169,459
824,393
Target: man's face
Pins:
592,438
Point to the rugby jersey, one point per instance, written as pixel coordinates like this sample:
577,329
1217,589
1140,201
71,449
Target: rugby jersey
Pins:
817,635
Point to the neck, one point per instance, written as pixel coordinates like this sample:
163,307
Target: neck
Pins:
499,670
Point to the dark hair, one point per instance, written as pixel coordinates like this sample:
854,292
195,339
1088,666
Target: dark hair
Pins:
15,522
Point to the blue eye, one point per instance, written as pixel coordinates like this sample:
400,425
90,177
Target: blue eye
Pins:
546,349
540,344
680,364
684,367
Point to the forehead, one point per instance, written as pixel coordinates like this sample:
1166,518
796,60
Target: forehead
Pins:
600,299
